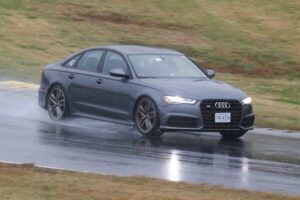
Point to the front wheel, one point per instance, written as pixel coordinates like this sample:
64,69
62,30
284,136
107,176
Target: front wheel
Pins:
146,118
232,135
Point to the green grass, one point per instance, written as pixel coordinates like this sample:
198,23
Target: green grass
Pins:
11,4
27,182
257,39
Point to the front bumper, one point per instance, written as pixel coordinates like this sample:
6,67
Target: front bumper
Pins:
185,117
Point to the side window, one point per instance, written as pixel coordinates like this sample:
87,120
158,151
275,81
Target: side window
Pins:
72,62
90,61
114,61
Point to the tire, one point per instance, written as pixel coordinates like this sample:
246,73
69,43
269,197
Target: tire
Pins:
146,118
57,104
232,135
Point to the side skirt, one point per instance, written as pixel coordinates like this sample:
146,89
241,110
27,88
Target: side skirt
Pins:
105,119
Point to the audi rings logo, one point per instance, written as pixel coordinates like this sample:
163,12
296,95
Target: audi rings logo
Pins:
222,105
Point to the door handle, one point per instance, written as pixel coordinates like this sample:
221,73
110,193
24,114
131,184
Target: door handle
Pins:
99,81
71,76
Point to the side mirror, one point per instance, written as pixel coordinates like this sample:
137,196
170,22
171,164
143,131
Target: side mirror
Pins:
118,72
210,73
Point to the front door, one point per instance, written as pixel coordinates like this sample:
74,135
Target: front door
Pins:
113,94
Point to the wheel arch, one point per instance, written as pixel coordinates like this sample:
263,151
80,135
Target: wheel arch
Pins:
49,90
137,101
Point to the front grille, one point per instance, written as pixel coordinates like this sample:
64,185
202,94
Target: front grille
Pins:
182,122
208,111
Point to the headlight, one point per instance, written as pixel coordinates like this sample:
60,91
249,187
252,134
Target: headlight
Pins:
178,100
248,100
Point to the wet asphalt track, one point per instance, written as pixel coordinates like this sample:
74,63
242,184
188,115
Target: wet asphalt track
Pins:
257,162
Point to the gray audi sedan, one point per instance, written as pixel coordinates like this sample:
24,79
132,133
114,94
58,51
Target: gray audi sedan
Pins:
154,89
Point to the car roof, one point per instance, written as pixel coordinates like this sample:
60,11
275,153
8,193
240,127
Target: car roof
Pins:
138,49
128,50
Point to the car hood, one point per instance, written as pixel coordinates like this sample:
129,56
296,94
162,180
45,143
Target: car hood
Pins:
195,88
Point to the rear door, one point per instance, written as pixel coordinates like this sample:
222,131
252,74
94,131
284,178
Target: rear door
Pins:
86,81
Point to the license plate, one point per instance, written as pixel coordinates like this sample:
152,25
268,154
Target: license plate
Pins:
222,117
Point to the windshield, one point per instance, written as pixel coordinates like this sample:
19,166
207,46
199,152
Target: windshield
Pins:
165,66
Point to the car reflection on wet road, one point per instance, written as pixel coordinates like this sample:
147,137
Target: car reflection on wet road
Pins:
256,162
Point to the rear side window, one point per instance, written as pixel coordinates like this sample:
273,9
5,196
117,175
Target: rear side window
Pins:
90,61
72,62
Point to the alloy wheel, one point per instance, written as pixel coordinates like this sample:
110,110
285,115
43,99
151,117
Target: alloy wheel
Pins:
146,115
57,104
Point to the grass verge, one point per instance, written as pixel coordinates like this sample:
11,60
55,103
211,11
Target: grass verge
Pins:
29,182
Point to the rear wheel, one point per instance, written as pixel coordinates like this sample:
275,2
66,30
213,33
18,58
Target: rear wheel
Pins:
232,135
57,103
146,118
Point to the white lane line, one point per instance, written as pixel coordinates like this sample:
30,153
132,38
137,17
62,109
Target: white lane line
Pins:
55,168
18,84
275,133
48,167
9,162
